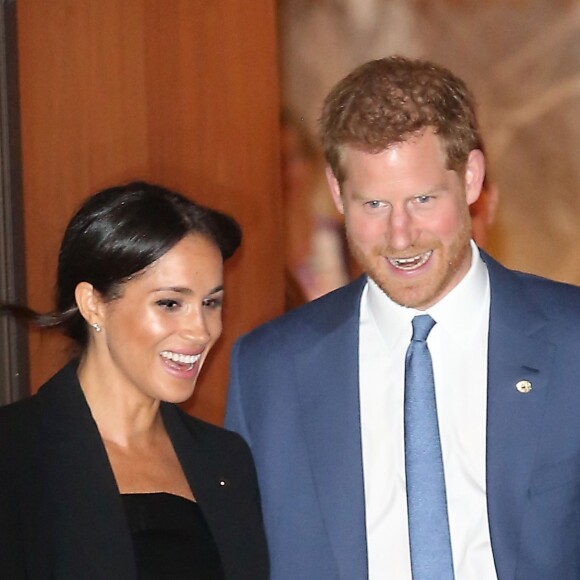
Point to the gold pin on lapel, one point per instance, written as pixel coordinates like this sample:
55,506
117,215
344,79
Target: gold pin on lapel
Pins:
524,386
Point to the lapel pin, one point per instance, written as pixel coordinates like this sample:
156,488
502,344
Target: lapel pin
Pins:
524,386
223,482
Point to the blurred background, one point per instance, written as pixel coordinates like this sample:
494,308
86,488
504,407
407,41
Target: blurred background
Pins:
521,58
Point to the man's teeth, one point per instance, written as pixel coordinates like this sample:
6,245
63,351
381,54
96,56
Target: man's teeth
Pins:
410,263
184,359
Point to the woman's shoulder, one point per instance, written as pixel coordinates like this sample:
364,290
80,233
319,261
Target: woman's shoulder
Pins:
17,415
18,439
29,408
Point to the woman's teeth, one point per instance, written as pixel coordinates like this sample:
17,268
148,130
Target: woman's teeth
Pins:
410,263
183,359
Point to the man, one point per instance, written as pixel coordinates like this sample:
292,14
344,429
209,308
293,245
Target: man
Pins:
362,473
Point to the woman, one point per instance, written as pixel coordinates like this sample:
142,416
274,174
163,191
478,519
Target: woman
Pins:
101,475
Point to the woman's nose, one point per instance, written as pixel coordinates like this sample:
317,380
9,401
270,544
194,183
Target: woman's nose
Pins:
195,328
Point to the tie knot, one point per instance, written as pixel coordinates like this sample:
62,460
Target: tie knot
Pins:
422,326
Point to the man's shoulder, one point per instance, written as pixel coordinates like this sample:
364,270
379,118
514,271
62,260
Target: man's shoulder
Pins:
557,300
548,285
541,285
320,315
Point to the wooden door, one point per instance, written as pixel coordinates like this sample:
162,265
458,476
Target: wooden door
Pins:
179,92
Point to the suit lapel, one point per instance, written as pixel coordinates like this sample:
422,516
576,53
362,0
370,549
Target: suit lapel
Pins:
518,352
92,539
327,380
196,465
201,464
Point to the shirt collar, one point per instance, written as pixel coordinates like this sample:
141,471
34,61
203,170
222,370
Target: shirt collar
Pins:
459,312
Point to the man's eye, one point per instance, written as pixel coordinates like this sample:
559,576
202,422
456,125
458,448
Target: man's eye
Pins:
424,198
374,204
168,304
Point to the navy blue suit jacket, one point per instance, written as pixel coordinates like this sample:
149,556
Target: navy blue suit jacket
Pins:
294,397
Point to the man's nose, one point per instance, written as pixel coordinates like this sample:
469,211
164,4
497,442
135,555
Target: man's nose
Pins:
401,229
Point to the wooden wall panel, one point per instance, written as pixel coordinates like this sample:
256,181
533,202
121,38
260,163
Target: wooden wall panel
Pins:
218,139
180,92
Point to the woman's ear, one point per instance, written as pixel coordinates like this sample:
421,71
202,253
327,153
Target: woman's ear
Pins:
89,303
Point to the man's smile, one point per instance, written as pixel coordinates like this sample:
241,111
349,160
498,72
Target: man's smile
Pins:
412,263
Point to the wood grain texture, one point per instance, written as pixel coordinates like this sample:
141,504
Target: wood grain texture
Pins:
180,92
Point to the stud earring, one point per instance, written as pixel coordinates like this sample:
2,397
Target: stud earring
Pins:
96,326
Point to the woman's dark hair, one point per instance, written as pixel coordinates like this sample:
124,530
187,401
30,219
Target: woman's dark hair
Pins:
117,233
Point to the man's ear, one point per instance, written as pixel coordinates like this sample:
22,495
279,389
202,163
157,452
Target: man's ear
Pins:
89,303
474,174
334,189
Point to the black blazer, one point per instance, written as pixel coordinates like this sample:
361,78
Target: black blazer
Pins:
61,515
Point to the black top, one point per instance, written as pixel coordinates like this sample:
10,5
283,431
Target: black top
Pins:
171,538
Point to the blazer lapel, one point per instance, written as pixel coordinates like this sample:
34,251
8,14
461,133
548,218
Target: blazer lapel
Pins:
518,352
213,488
90,534
198,468
327,379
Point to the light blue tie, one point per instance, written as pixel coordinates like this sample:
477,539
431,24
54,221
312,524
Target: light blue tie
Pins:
429,537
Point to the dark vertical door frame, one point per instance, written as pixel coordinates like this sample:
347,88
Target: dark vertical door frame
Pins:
13,343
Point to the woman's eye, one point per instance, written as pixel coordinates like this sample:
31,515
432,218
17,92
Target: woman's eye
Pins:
213,302
168,303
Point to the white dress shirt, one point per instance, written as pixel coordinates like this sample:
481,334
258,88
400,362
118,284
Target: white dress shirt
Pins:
458,346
